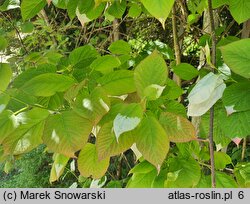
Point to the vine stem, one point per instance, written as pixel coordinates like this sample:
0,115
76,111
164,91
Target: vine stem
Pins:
211,121
176,44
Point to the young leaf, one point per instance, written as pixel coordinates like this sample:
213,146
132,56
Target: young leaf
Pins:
58,166
89,164
160,9
236,55
152,141
117,8
178,129
5,76
66,132
29,8
107,144
151,71
47,84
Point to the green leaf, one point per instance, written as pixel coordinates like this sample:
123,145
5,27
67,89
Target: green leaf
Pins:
160,9
117,8
93,106
236,55
5,76
120,47
152,141
183,173
107,144
127,119
25,76
28,134
8,123
224,180
58,166
237,96
85,5
236,124
3,43
66,132
185,71
62,4
178,129
118,82
221,159
151,71
172,90
88,163
47,84
134,10
220,137
27,27
242,173
29,8
143,176
82,55
105,64
4,100
205,94
218,3
9,4
240,10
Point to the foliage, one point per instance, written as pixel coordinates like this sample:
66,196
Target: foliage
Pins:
114,104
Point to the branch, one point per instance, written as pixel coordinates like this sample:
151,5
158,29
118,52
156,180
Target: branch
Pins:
176,44
211,122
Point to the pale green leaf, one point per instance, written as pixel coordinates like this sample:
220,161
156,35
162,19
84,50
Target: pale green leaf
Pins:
240,10
66,132
185,71
118,82
160,9
151,71
127,119
105,64
205,94
183,173
60,161
5,76
152,141
89,164
48,84
237,56
221,159
120,47
237,97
